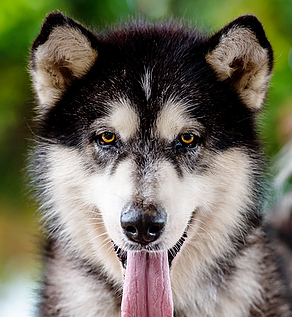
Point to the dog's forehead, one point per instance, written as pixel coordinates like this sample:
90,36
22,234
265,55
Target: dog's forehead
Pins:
174,118
173,115
171,119
166,120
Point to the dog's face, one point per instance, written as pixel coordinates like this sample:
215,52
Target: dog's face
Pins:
147,135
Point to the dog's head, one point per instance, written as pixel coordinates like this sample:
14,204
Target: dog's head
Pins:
147,134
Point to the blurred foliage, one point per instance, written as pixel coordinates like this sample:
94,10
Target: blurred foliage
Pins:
20,22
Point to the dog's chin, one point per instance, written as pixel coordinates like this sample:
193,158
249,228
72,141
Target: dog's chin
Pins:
172,252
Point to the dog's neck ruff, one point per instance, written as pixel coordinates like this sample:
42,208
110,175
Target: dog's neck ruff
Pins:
147,290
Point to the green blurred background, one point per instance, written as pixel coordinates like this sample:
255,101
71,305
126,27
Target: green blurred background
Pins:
20,22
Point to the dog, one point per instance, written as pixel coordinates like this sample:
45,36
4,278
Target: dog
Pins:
149,171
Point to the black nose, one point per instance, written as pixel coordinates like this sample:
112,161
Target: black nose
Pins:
143,224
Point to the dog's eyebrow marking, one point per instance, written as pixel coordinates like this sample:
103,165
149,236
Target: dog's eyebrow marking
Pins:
123,118
174,119
146,83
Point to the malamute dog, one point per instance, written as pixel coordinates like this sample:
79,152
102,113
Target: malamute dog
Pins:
149,171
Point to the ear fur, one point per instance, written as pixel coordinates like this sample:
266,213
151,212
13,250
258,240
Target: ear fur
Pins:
63,51
241,55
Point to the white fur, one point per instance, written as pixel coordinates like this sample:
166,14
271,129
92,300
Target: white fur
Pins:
146,83
123,118
91,214
77,295
82,200
173,119
218,197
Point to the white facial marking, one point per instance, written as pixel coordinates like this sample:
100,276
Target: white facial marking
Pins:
89,205
123,118
173,119
114,192
146,83
217,197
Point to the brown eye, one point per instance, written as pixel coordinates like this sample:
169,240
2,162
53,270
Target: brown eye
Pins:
186,141
187,138
106,139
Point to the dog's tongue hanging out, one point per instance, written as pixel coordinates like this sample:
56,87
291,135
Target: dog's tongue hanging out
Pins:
147,290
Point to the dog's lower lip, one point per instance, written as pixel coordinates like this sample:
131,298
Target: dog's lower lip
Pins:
172,252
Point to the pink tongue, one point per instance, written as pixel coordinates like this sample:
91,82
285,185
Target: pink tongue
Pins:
147,291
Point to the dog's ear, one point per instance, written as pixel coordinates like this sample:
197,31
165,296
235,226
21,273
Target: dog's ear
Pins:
241,55
63,52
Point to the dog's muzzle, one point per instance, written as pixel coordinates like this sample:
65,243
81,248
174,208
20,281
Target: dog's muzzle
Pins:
147,287
143,224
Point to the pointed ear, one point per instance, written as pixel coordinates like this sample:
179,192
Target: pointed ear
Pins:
63,52
241,55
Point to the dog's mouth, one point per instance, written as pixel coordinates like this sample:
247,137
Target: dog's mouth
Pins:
171,253
147,289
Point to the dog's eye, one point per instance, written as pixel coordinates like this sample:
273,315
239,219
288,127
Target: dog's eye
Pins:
187,138
106,138
188,141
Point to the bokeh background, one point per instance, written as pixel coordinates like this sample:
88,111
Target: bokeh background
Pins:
20,22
